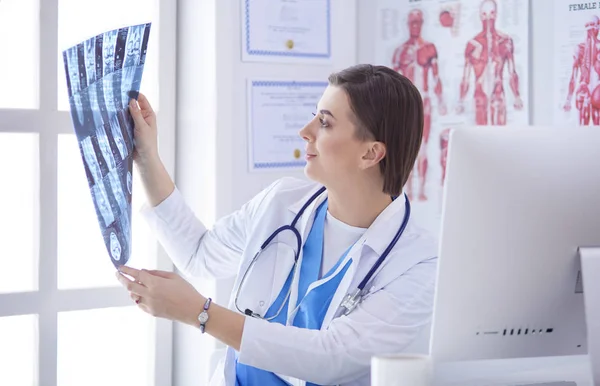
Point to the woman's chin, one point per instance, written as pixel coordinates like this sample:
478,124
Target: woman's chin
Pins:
311,172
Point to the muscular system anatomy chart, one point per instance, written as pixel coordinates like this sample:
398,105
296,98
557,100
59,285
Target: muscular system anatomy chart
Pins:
577,63
468,58
417,59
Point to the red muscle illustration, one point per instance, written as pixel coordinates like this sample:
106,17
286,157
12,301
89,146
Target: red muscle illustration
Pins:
486,56
417,59
584,76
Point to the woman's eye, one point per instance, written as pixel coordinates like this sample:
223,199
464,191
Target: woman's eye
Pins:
322,120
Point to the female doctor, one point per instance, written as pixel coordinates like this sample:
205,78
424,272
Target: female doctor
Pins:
325,278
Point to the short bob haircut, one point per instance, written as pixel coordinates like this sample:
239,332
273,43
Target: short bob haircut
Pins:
387,108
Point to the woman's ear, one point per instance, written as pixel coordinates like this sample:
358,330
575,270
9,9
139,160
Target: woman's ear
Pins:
375,153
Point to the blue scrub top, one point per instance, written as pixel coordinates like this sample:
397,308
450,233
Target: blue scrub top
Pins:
313,306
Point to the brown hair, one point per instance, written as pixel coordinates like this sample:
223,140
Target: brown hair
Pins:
388,108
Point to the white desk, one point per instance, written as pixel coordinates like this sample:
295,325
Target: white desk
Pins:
514,372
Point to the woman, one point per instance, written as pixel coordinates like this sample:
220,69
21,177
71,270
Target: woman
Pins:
285,323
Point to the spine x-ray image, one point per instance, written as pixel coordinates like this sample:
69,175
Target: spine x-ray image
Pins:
103,73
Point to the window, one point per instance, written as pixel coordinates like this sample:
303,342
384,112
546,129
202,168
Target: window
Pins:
75,26
107,354
19,206
64,318
21,334
19,44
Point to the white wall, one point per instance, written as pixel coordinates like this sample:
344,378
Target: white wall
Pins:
541,68
195,159
212,141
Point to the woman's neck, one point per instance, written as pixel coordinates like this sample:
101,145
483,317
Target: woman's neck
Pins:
357,204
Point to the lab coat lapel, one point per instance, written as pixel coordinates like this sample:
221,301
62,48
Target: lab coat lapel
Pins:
292,381
336,301
304,223
344,286
353,252
377,237
304,226
354,256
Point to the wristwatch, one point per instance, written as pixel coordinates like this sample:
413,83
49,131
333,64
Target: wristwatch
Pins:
203,317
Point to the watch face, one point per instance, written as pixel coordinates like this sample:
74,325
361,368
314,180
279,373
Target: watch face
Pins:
203,317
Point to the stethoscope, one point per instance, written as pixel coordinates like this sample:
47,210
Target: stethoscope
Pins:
352,299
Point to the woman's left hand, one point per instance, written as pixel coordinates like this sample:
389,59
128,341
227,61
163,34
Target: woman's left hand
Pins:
163,294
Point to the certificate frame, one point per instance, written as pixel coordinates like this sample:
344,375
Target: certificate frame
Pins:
251,52
273,162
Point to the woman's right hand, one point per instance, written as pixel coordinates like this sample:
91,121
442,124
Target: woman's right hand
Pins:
145,131
155,178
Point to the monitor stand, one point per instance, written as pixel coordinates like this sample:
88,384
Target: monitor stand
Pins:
590,285
590,270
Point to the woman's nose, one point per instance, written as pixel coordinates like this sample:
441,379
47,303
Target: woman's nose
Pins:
306,132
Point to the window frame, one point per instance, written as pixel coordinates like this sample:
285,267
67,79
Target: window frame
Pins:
47,122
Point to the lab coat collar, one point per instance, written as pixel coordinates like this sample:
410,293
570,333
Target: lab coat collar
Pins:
381,231
308,215
386,225
296,206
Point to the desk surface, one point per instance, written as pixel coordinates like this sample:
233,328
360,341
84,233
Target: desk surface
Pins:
514,372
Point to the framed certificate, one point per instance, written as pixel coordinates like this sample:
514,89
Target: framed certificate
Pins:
286,31
277,111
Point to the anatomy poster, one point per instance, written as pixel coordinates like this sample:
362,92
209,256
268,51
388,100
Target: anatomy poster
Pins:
576,63
469,59
103,74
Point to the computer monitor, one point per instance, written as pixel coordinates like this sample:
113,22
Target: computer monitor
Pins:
518,205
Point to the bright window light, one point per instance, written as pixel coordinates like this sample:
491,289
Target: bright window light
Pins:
74,28
19,212
19,67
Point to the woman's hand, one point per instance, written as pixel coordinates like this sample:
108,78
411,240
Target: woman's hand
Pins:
155,178
163,294
168,295
145,130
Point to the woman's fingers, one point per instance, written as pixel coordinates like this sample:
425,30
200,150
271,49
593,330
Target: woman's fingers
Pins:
136,114
163,274
145,130
144,103
135,298
132,286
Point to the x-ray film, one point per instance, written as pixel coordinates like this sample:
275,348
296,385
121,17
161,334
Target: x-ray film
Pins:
103,74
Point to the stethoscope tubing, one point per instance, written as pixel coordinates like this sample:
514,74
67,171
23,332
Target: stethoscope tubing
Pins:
292,227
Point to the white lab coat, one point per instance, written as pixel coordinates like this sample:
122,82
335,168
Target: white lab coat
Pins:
391,318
